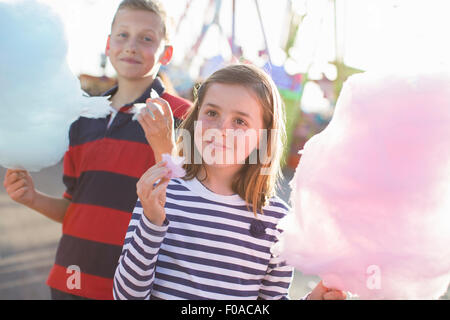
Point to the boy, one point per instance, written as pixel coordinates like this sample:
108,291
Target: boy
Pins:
107,156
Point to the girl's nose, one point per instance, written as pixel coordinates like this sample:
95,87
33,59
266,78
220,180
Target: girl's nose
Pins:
224,125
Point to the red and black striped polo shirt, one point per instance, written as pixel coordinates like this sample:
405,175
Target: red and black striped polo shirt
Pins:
101,169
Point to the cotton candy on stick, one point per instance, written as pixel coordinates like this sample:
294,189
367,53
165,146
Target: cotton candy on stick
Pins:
175,165
371,194
39,96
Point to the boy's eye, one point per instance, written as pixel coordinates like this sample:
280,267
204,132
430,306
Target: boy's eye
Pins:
122,35
240,122
148,39
211,113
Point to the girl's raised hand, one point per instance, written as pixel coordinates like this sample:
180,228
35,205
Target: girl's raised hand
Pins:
156,119
153,197
321,292
19,186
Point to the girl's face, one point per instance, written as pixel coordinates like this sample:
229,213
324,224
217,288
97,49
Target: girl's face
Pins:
229,125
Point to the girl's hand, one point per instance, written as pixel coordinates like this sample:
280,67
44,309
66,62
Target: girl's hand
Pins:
153,198
20,187
157,123
321,292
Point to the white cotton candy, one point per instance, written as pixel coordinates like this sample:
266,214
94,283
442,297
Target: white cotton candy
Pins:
138,107
371,194
39,95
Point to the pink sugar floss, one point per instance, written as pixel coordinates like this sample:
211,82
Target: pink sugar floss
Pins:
175,164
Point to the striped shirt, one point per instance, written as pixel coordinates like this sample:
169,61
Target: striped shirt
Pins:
210,247
100,173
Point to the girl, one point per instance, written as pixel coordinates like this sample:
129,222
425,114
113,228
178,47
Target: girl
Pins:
210,234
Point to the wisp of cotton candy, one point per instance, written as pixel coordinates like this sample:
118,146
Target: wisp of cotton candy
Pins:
371,194
39,95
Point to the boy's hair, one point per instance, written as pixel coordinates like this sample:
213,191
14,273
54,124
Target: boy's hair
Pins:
154,6
251,185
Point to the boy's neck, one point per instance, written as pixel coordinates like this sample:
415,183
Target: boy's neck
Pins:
128,91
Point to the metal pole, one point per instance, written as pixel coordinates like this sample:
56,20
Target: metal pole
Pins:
263,31
233,31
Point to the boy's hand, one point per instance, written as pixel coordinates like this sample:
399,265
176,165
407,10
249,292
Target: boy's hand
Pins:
19,186
157,121
321,292
153,198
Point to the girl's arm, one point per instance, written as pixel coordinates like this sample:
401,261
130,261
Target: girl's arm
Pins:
277,280
157,123
148,226
135,273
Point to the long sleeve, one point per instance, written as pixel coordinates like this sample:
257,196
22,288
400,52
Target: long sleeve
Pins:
135,272
278,277
276,282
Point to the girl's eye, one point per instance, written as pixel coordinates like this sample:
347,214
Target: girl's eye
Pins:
240,122
211,113
148,39
123,35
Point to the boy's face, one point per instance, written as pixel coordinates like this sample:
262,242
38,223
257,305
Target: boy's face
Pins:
136,45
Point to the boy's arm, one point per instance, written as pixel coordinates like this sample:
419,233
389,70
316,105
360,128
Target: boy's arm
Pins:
135,272
20,188
51,207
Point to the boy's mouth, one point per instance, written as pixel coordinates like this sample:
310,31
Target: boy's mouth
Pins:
130,60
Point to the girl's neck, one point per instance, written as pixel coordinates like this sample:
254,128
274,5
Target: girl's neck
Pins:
128,91
219,181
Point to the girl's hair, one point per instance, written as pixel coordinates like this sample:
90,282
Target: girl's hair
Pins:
250,184
148,5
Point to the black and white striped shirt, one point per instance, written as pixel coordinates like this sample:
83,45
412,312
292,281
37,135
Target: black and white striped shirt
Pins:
210,247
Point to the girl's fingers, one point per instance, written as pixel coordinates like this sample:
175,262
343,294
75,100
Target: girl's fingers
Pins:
163,180
145,184
157,174
155,107
161,109
165,107
150,170
148,183
161,186
152,124
159,192
144,119
150,113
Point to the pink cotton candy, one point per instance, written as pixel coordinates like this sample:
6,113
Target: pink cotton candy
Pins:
175,165
371,194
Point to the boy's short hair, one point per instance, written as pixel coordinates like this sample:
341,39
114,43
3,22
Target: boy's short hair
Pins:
154,6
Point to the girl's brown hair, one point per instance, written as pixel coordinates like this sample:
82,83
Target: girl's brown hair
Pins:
251,184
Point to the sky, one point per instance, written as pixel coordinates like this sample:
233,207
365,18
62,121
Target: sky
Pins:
369,33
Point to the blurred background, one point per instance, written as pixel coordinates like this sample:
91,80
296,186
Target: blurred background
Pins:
309,47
